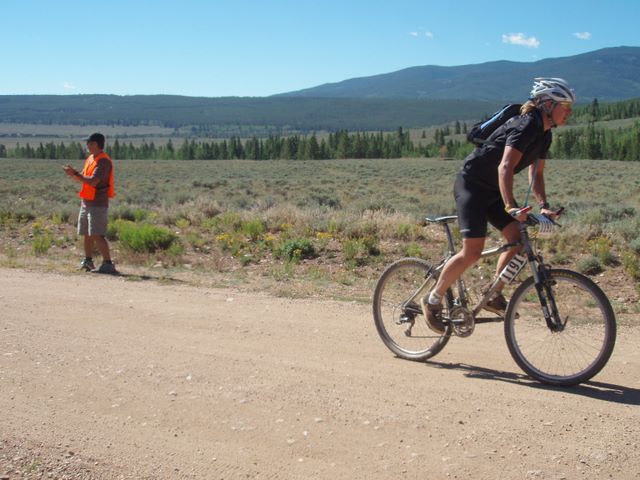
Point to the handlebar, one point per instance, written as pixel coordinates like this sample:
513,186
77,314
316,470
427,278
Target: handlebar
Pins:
533,219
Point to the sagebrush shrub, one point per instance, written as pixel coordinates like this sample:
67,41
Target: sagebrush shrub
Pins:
589,265
41,243
253,229
631,264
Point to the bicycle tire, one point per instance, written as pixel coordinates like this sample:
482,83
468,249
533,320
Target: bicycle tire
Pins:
576,353
399,281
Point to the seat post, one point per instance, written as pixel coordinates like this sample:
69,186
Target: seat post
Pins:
450,243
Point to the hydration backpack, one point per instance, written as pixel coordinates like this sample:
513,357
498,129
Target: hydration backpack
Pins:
480,131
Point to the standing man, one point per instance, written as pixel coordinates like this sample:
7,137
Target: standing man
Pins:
97,188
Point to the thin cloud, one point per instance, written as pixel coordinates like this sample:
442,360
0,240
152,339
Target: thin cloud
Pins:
521,39
68,86
419,34
582,35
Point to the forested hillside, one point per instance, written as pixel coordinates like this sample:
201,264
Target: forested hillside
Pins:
598,131
224,117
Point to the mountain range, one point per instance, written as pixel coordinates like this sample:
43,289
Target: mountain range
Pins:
415,97
608,74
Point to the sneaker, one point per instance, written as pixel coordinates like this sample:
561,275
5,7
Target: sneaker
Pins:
87,265
434,317
497,305
108,268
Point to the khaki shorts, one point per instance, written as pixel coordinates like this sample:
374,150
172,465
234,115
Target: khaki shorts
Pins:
92,221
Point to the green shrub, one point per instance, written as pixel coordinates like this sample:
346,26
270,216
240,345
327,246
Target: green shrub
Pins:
323,239
143,238
589,266
131,214
10,218
631,264
355,252
413,250
560,258
182,223
406,231
361,230
593,218
371,244
232,243
253,229
195,240
352,249
296,249
635,245
60,217
227,222
41,243
600,248
175,250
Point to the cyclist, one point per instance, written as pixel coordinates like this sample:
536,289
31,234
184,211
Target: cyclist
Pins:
483,189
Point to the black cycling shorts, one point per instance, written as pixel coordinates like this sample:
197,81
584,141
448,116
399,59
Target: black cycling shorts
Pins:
478,205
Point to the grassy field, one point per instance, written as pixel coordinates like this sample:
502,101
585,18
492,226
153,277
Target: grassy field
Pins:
305,227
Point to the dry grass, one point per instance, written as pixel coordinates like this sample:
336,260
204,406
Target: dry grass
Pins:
233,217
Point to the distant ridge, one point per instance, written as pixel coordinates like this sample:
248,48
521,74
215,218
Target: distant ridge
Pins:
244,116
415,97
609,74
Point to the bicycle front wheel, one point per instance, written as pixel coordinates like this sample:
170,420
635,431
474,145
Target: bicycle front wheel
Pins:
398,316
578,350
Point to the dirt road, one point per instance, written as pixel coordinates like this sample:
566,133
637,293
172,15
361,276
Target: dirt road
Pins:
104,377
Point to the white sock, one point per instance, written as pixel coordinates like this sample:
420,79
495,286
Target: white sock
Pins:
434,298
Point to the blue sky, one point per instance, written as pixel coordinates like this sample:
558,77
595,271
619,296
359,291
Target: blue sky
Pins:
258,48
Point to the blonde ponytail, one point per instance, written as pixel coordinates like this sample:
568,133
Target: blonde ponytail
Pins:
528,107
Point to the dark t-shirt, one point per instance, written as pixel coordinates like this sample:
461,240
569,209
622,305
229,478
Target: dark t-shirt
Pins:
102,171
525,133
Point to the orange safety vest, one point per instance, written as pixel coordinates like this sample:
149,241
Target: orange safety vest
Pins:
87,191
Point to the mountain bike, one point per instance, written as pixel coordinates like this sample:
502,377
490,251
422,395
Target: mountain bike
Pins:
559,325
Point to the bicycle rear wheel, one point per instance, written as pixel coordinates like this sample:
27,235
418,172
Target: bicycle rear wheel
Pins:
401,323
576,352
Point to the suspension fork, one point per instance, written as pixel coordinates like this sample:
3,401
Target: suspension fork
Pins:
543,283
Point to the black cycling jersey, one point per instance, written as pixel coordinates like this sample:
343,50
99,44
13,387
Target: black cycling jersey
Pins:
525,133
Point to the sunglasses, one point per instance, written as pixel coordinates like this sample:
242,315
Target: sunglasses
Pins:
566,105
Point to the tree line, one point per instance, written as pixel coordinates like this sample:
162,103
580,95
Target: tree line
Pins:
341,144
587,142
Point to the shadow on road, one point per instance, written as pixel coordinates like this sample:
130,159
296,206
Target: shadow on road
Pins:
140,278
598,390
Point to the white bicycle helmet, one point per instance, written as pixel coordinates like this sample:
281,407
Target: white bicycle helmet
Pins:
555,89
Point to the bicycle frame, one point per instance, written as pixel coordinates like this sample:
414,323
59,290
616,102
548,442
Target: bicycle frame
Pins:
535,262
554,350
